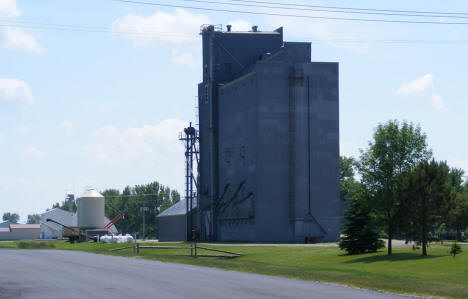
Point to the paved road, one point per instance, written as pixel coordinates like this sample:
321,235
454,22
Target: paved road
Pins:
72,274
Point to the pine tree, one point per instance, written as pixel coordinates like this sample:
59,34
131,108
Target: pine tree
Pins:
359,234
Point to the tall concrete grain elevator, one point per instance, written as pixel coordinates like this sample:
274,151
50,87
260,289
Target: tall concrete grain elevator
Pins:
269,140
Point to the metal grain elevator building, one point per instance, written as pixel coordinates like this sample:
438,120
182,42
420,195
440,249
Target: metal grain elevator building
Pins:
269,140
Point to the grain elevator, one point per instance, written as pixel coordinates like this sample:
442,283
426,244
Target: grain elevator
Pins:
268,140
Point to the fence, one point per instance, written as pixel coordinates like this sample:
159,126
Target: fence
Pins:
193,250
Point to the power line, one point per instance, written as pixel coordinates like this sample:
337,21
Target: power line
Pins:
346,11
132,195
6,21
392,41
93,29
355,8
290,15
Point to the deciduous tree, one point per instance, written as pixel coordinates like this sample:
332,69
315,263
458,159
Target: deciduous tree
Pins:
425,191
347,172
394,149
153,198
34,219
12,217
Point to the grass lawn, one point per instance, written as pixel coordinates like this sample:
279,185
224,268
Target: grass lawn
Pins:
438,274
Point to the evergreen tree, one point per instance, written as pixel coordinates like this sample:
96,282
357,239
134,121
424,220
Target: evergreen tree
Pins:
457,216
359,234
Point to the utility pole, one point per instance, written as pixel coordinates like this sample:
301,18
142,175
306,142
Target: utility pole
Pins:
143,210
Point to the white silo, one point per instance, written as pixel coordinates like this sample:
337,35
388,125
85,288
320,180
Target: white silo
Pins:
90,210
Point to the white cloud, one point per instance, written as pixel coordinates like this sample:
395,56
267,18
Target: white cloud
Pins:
2,139
419,85
15,38
180,28
185,58
22,129
31,151
8,8
146,143
240,25
178,31
15,90
65,128
437,103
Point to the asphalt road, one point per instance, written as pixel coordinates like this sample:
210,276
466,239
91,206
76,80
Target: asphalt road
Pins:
73,274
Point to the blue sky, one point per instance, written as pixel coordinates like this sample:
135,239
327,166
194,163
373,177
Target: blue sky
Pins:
103,109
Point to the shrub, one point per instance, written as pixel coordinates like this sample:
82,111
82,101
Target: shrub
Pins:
455,249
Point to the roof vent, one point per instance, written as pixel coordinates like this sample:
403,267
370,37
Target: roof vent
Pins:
228,27
254,28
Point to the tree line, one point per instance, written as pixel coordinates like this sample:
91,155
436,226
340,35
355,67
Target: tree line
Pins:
396,189
15,217
140,201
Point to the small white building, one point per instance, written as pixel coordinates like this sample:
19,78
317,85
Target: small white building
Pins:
50,230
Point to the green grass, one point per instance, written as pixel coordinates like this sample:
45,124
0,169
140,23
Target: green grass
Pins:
438,274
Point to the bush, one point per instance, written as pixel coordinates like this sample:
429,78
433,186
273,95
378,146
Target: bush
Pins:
455,249
35,245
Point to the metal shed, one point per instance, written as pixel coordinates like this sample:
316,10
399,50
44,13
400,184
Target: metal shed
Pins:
20,232
172,222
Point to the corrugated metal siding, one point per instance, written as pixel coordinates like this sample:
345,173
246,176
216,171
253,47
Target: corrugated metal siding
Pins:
179,208
172,228
273,133
21,234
